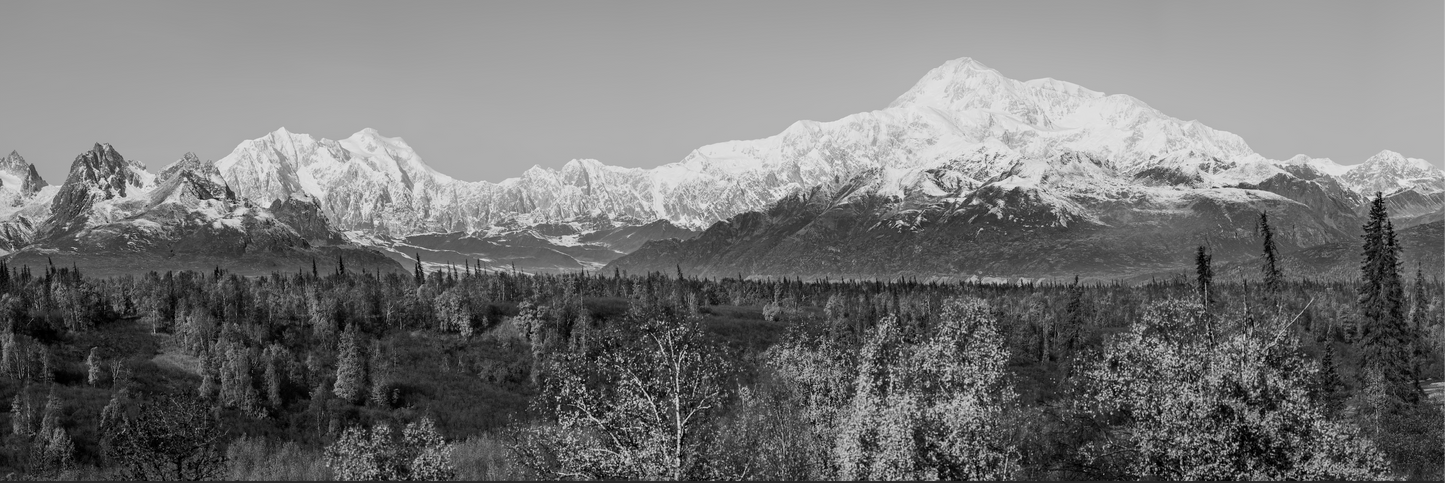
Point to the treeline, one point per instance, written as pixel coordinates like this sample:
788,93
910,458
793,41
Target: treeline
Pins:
460,372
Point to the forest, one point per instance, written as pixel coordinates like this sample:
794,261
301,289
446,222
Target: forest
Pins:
470,374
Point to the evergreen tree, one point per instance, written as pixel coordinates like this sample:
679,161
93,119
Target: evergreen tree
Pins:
1204,274
1418,322
1384,336
417,272
1273,279
22,415
93,366
1074,318
313,268
1329,389
273,384
50,418
351,366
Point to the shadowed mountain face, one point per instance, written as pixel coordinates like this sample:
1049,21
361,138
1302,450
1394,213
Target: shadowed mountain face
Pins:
112,217
996,233
1422,245
551,247
992,233
1411,207
98,175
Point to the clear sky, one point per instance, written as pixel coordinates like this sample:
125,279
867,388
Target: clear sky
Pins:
483,90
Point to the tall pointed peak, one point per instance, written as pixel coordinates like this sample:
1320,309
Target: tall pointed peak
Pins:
13,161
957,79
282,135
968,63
101,152
187,162
1386,155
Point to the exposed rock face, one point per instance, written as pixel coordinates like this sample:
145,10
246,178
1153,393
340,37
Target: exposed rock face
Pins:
113,217
994,232
304,216
188,181
98,175
22,174
24,202
1411,207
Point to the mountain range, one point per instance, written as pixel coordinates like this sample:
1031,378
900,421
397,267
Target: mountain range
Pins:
970,174
967,174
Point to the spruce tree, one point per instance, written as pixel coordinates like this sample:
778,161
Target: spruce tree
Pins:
351,366
1418,322
1328,386
1273,279
1384,336
1205,275
93,366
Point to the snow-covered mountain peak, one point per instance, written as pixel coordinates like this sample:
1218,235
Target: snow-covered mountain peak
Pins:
961,127
370,141
1320,165
19,176
101,183
189,162
13,160
189,181
962,81
1389,171
1394,159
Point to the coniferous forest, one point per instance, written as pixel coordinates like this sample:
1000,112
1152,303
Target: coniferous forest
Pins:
461,373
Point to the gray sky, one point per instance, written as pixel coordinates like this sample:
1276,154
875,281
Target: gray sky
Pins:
483,90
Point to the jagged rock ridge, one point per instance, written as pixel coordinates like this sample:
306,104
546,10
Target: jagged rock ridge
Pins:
111,217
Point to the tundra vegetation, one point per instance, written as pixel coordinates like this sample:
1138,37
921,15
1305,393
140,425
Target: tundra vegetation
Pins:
458,373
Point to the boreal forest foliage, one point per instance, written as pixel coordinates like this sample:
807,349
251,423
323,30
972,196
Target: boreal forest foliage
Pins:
460,373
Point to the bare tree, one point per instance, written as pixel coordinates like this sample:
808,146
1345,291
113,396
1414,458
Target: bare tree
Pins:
173,438
639,408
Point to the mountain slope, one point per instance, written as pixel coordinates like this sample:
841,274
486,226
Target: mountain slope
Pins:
1389,171
994,233
24,202
19,176
962,124
1421,245
1033,177
973,174
113,217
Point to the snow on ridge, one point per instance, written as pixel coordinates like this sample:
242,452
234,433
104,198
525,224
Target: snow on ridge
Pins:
962,123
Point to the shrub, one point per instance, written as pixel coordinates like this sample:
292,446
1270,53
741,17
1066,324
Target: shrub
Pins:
420,454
